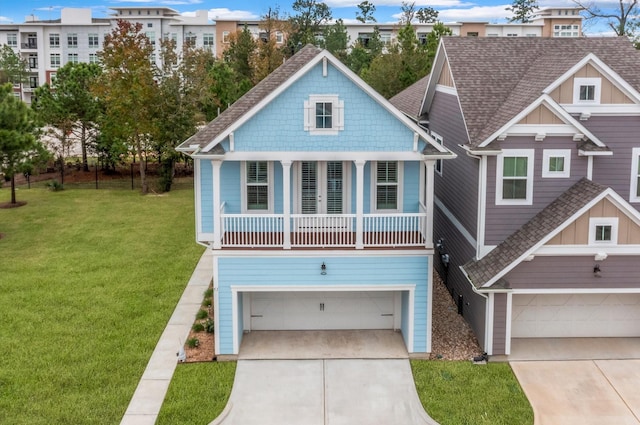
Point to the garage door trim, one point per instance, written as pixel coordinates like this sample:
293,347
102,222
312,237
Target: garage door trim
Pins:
236,289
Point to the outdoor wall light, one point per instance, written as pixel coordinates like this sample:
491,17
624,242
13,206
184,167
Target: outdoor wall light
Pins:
323,269
596,271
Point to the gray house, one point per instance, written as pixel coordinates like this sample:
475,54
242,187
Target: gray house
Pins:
537,220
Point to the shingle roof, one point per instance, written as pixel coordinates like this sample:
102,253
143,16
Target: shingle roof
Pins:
409,100
496,78
252,97
541,225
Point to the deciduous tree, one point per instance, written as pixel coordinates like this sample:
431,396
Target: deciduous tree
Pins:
310,16
128,89
620,18
366,12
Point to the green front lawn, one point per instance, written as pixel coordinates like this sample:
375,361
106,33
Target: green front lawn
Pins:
88,280
198,393
461,393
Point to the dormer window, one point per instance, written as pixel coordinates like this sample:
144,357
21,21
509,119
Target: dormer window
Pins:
603,231
586,90
323,115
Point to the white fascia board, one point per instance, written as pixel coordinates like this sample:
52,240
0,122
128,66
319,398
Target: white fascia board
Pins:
623,205
546,239
436,69
594,153
326,156
547,129
480,152
586,250
552,291
604,109
323,253
323,288
207,156
547,101
603,68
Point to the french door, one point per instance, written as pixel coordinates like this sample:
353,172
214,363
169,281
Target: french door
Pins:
321,187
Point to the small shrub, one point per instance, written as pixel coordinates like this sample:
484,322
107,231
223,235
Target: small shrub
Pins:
197,327
54,186
209,326
201,314
207,302
208,293
193,342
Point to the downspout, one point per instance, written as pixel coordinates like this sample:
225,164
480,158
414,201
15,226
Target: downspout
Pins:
482,202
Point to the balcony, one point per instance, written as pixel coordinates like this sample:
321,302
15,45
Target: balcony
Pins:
32,45
402,230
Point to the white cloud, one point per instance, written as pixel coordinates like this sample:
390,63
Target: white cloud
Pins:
4,19
476,13
398,3
224,13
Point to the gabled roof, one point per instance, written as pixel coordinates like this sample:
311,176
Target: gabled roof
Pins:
409,100
542,226
243,105
496,78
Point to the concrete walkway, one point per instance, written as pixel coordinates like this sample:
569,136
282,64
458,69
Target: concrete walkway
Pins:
591,392
324,392
146,402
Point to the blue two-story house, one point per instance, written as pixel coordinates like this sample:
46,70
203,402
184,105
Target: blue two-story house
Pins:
315,195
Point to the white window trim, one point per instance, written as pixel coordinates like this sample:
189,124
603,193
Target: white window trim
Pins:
578,82
603,221
243,186
337,114
225,37
635,158
439,163
374,192
547,154
529,153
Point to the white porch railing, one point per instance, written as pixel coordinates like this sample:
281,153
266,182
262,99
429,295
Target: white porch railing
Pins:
322,230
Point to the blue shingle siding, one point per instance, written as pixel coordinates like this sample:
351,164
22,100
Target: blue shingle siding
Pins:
280,126
305,271
206,196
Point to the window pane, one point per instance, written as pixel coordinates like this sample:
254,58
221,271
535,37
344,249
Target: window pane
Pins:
556,164
514,189
387,172
638,186
324,115
514,166
587,92
257,197
387,197
257,172
603,233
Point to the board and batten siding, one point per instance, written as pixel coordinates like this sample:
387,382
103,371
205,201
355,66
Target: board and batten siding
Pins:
577,233
499,323
609,93
621,135
368,127
305,271
460,252
457,188
503,220
574,272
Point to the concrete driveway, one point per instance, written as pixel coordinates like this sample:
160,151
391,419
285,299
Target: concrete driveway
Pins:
324,392
598,392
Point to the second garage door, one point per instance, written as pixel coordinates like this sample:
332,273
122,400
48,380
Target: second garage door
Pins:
576,315
322,310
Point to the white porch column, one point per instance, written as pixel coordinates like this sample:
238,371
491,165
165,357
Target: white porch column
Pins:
359,203
428,202
217,218
286,202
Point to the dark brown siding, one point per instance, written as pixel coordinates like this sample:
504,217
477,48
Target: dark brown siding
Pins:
499,323
457,188
576,272
503,220
459,251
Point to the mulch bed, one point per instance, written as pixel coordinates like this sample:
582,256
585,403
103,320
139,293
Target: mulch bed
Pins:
7,205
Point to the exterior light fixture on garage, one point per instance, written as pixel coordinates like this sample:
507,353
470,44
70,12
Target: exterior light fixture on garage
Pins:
323,269
596,271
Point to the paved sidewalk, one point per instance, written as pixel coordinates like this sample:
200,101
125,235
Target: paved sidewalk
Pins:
146,402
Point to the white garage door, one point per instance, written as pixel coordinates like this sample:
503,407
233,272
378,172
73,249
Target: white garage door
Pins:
577,315
322,310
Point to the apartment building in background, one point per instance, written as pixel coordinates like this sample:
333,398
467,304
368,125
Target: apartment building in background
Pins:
47,45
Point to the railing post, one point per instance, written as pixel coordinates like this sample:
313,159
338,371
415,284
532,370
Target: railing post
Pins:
428,202
217,219
286,203
359,203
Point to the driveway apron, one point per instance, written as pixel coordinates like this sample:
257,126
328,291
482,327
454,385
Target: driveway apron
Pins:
589,392
324,392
